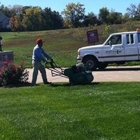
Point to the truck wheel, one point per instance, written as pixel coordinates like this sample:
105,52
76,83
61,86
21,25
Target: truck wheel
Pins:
90,63
102,65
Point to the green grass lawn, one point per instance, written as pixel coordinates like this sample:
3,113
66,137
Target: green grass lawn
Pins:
99,111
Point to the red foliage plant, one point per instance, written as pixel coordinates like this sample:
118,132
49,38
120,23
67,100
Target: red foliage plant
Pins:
11,74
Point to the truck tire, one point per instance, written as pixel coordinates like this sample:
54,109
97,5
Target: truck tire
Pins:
102,65
91,63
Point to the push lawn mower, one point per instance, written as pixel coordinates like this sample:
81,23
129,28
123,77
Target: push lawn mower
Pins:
77,74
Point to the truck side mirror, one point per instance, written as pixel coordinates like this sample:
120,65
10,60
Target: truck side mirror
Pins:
112,47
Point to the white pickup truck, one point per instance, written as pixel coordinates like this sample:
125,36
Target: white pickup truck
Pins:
118,48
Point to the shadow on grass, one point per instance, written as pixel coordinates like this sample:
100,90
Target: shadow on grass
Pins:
70,85
58,84
26,84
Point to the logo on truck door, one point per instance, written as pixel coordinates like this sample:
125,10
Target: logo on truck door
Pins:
113,52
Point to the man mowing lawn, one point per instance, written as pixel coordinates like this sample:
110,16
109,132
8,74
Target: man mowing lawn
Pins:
38,56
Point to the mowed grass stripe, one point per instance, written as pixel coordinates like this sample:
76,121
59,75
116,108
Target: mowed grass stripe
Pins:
95,111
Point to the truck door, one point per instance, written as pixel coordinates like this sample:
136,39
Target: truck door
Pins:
131,47
138,36
113,49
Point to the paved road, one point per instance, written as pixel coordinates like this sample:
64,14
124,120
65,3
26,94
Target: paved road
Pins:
110,74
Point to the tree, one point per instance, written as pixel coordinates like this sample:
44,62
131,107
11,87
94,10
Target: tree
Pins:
47,22
18,23
11,11
73,15
134,11
32,19
115,17
125,17
51,19
15,15
90,19
104,15
16,10
15,23
5,10
12,23
57,20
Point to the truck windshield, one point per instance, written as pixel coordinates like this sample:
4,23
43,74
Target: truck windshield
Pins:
115,39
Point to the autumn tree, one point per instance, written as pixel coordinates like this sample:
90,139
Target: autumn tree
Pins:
73,15
12,23
32,19
16,11
18,23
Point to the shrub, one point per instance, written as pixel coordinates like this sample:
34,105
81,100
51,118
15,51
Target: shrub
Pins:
11,74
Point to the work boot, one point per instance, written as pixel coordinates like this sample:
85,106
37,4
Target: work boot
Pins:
47,83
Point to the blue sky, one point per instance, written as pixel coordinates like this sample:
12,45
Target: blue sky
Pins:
89,5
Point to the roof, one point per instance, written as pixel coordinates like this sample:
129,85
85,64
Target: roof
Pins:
2,17
128,32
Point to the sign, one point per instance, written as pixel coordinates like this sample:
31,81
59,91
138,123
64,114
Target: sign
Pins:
92,36
6,56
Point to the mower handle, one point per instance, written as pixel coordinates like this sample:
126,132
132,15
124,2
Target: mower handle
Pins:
52,63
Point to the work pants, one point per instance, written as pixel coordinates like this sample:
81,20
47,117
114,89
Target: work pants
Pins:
38,66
